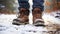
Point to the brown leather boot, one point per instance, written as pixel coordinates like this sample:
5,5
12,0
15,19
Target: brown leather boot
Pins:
37,17
22,18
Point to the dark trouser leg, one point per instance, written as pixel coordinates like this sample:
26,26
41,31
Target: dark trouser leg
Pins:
38,4
37,12
24,4
24,13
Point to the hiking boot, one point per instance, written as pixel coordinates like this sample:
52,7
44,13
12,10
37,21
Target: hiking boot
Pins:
37,17
22,18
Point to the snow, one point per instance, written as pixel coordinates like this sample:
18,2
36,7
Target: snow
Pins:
6,26
7,19
51,18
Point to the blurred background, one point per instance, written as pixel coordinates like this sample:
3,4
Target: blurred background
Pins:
8,6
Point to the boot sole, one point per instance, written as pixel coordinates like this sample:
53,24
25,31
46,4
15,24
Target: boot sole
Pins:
17,22
39,23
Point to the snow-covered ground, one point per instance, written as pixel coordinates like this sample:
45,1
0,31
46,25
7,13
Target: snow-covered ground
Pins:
6,27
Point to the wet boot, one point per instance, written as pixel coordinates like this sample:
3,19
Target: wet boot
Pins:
37,17
22,18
